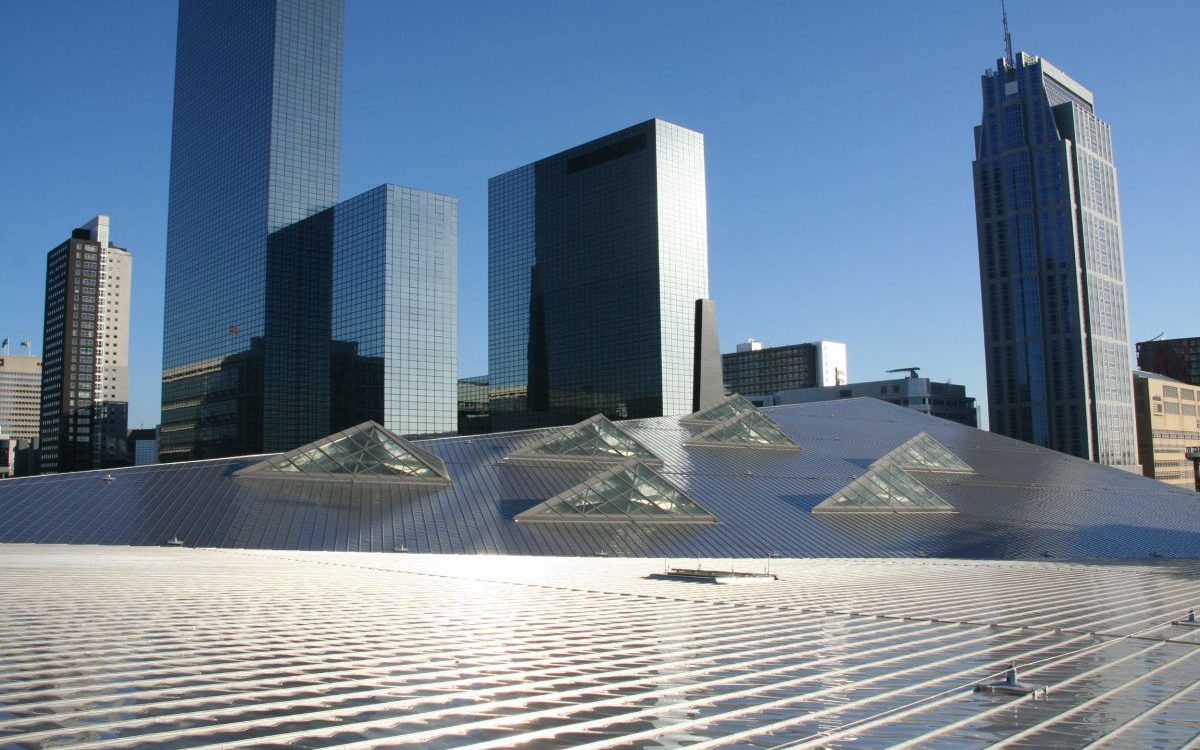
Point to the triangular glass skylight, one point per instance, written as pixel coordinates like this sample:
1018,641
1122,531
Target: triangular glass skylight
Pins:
365,453
629,493
730,407
923,453
595,440
884,489
750,429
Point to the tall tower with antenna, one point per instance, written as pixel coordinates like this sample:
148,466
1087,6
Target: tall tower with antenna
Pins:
1051,264
1008,53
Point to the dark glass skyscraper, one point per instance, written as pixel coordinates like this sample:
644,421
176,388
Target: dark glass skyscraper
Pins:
254,168
1051,265
596,257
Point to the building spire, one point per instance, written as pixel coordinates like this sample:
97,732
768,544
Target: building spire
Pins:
1008,53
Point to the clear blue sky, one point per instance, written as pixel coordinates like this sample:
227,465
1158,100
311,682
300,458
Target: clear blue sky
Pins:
839,147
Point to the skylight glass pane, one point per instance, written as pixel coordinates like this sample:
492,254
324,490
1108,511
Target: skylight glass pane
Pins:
628,492
749,430
365,451
924,453
596,439
730,407
884,488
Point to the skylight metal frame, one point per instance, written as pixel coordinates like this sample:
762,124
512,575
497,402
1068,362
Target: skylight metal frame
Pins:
730,406
898,487
923,441
534,453
604,490
707,439
349,450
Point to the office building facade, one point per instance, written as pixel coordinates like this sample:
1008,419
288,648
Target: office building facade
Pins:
596,259
1167,426
473,405
943,400
1175,358
85,362
1052,269
755,370
143,446
254,174
20,395
395,335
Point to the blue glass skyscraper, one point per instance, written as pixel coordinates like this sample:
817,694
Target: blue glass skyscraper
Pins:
254,150
273,307
596,258
1051,265
395,333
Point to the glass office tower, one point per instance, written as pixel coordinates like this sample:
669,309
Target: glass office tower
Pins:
596,257
395,336
254,168
1052,267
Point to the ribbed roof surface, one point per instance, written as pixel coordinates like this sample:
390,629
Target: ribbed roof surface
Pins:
1022,502
103,648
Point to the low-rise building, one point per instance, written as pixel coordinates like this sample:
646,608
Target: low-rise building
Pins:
755,369
1167,425
1175,358
945,400
20,395
143,446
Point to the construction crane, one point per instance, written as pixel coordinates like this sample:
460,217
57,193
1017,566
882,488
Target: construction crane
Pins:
912,371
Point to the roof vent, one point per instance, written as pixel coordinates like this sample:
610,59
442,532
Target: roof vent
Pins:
108,477
1010,685
174,542
700,575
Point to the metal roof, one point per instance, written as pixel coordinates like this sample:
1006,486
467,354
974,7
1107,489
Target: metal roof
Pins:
1021,502
107,647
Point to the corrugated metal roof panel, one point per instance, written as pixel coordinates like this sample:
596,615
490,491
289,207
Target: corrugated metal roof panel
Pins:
1022,502
118,647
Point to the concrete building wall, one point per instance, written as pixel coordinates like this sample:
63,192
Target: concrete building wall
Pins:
1168,423
944,400
85,374
755,369
20,395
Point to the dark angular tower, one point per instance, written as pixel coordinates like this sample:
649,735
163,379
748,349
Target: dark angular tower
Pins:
1051,265
596,258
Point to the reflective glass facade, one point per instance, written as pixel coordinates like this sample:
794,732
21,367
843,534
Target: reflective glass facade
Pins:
395,336
596,257
1175,358
1052,268
254,166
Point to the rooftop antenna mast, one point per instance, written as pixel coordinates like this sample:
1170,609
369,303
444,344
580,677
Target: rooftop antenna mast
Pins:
1008,53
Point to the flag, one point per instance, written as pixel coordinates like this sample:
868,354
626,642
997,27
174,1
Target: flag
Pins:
4,343
26,344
